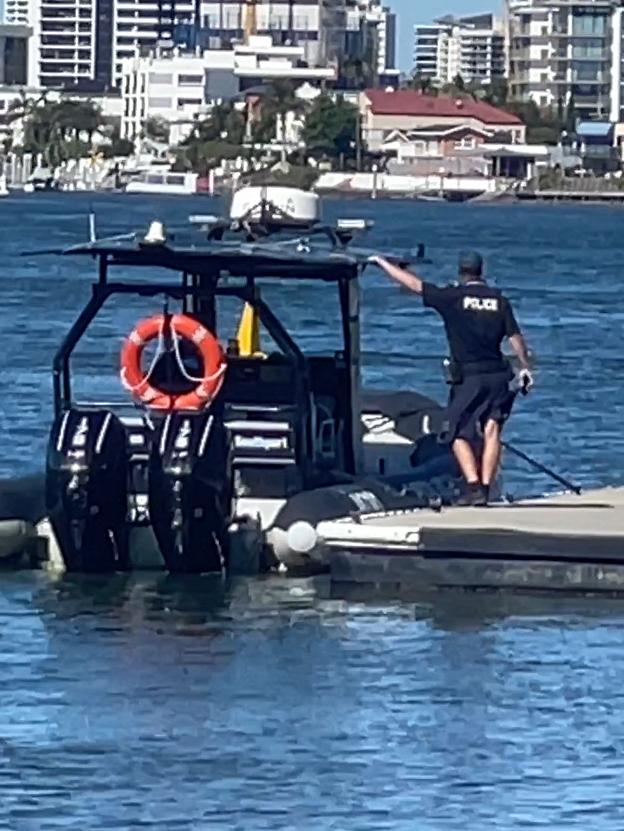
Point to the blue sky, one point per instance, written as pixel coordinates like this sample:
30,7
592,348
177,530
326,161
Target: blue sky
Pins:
423,11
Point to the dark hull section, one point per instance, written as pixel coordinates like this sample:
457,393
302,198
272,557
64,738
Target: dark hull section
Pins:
23,498
431,486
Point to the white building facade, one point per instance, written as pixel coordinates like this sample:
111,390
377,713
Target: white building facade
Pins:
18,12
561,51
139,25
472,47
180,88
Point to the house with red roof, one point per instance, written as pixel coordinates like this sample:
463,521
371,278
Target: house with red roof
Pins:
433,125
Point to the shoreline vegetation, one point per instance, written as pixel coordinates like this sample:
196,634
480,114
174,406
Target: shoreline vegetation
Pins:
277,138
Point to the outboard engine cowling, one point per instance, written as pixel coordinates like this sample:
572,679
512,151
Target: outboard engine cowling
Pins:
190,491
86,490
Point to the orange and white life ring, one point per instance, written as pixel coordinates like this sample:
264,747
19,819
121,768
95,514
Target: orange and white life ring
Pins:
181,326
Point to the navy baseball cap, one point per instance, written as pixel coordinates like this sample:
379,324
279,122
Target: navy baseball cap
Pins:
471,261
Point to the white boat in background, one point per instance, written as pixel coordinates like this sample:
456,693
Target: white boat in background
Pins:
278,204
163,182
4,191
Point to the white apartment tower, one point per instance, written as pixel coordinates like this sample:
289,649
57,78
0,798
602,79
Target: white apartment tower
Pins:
567,50
473,47
80,44
141,24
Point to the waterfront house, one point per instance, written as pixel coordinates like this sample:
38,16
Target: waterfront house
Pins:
387,114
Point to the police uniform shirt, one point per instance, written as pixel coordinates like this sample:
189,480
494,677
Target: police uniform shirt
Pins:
476,317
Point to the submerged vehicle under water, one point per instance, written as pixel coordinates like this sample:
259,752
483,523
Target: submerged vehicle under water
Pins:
220,457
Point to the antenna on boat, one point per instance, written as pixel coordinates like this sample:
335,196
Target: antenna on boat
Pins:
92,231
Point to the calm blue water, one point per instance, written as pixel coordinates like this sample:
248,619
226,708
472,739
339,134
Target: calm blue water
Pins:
171,704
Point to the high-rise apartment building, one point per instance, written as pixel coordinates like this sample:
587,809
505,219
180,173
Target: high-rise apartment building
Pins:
141,24
317,25
567,50
377,26
473,47
426,49
81,44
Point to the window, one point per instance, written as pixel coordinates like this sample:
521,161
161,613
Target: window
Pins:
175,179
587,71
589,24
189,102
161,78
466,143
160,103
190,80
49,40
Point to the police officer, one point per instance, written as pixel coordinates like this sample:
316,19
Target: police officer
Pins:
477,318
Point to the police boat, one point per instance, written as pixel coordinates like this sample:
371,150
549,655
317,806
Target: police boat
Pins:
222,449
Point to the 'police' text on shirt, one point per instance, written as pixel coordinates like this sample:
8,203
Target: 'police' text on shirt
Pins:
481,304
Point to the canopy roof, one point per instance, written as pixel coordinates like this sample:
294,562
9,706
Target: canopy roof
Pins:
238,259
311,255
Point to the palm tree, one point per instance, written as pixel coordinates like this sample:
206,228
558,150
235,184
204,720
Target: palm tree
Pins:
422,83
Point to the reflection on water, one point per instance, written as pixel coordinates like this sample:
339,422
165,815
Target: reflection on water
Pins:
148,701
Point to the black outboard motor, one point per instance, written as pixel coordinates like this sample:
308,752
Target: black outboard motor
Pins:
86,490
190,491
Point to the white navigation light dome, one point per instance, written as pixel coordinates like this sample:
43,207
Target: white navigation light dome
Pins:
156,234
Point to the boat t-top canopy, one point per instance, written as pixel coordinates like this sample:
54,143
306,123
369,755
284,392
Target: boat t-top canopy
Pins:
319,253
236,259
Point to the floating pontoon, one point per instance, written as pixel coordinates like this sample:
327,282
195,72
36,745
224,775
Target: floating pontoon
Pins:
561,542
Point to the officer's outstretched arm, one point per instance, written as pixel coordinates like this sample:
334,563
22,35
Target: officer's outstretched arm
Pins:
518,344
401,275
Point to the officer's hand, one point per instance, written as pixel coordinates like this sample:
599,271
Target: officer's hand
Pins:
525,379
374,259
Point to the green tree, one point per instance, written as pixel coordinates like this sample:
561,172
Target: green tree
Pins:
203,156
422,83
157,129
74,117
56,129
330,128
279,100
497,92
223,123
458,83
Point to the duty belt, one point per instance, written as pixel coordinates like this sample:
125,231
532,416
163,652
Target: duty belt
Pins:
484,367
